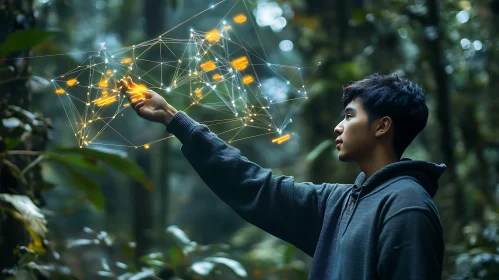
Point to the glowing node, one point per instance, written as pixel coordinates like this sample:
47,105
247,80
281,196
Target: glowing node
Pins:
147,146
213,36
248,80
240,63
217,77
109,72
198,93
241,18
72,82
126,60
227,27
59,91
208,66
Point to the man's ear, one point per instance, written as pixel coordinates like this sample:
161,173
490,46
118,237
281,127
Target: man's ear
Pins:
383,126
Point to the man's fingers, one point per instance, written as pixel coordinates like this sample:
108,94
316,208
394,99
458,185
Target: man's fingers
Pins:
130,82
139,105
148,93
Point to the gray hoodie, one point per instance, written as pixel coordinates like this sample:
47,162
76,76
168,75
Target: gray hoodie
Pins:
386,227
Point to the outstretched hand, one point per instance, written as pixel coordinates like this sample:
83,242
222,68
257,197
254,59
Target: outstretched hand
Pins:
147,103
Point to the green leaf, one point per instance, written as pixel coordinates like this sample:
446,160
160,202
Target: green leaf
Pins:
235,266
23,40
11,122
179,236
317,151
119,163
202,268
11,143
289,253
359,15
175,255
77,160
90,187
30,213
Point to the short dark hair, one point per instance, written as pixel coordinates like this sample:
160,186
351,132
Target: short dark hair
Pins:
389,95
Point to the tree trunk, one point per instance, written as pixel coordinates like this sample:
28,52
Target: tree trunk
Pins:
154,13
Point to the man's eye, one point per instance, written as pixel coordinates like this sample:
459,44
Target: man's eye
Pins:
348,116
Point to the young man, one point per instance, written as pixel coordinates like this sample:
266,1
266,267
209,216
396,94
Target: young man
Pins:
384,226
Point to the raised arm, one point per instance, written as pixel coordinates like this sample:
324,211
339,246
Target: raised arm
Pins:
291,211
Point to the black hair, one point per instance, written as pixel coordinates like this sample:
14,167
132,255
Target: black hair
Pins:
389,95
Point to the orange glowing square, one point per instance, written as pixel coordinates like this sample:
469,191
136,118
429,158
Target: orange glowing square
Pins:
227,27
198,93
103,101
217,77
105,93
241,18
126,60
72,82
208,66
248,80
240,63
103,83
109,72
59,91
213,36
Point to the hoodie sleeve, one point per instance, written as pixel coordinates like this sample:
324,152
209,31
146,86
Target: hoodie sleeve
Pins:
410,246
284,208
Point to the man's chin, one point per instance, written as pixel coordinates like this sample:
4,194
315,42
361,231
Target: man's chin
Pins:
343,157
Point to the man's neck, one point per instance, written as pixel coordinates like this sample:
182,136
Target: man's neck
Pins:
378,159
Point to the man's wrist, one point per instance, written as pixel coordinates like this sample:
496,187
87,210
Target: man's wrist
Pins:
170,113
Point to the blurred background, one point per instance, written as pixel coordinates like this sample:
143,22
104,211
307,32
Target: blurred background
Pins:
122,213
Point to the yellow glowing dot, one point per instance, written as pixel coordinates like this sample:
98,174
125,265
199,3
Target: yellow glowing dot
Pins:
241,18
217,77
248,80
213,36
240,63
109,72
103,83
126,60
59,91
208,66
104,93
72,82
198,93
147,146
227,27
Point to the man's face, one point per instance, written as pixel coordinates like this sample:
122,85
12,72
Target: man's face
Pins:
354,139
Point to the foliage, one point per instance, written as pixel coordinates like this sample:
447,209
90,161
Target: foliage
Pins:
183,259
480,254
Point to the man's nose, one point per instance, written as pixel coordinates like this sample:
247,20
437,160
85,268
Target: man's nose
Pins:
338,129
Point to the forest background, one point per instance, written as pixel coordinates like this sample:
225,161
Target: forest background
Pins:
116,212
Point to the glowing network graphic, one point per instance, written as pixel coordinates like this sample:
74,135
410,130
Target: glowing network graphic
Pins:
213,69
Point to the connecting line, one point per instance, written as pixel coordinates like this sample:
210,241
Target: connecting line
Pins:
215,71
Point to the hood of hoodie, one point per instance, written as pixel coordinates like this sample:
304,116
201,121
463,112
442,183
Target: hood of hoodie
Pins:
427,173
